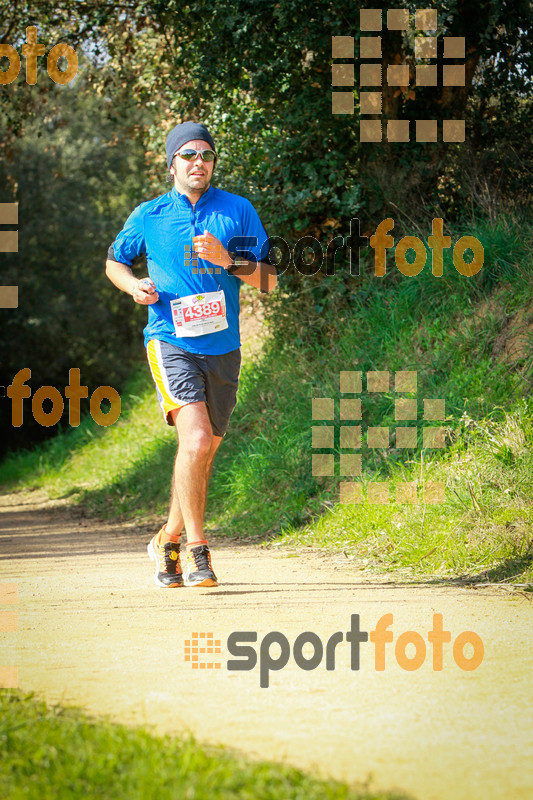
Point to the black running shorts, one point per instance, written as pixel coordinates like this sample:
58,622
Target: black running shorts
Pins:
182,377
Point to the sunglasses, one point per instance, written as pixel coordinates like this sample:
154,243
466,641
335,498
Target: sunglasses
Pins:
192,155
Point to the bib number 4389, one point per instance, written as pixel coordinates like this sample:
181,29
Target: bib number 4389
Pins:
199,314
202,312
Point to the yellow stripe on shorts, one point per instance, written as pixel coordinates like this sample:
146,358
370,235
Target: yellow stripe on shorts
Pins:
153,350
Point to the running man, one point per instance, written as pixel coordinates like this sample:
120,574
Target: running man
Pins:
200,242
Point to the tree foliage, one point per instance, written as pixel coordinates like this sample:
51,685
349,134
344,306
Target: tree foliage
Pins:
79,157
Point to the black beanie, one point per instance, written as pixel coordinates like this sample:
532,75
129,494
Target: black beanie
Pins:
186,132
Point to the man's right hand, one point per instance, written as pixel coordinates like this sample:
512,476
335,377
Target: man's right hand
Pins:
144,292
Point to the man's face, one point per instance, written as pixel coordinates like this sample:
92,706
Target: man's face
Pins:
192,175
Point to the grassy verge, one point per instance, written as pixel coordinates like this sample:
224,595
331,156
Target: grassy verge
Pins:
470,342
55,754
120,470
484,527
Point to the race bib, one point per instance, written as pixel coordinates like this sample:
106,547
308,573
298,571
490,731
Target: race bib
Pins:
198,314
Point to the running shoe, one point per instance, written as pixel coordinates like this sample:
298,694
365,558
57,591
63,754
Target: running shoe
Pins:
198,569
167,562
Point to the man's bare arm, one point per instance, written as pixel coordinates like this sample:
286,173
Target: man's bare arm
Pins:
258,274
143,290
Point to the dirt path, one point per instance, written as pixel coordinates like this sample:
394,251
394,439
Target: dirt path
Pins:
95,630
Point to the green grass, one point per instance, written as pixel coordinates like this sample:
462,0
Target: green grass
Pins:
470,341
122,469
59,754
482,530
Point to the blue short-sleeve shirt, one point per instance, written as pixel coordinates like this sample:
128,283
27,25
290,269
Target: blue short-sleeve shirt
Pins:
163,229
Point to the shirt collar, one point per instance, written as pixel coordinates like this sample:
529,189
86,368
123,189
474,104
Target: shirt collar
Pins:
182,199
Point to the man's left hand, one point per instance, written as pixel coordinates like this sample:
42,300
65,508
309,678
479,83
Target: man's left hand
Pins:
211,249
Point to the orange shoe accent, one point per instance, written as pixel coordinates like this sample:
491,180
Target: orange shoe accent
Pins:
199,570
196,544
163,537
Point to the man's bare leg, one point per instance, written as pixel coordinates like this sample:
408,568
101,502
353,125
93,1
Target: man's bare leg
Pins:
217,441
174,525
194,459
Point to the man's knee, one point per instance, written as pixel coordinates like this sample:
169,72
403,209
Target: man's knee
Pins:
196,443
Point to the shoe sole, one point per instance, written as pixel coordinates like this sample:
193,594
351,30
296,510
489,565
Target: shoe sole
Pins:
157,582
205,582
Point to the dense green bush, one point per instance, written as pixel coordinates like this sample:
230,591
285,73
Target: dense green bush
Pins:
78,175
